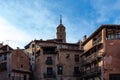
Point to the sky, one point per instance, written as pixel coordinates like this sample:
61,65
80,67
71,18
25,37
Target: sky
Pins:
22,21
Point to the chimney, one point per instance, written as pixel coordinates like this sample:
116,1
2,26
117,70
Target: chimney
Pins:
84,38
8,48
80,45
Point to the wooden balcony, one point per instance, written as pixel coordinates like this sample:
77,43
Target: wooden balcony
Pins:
93,57
97,41
89,59
92,72
49,50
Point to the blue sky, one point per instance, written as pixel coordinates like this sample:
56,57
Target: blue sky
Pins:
24,20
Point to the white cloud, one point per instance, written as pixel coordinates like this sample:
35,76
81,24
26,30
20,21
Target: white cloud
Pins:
9,33
39,19
31,16
105,9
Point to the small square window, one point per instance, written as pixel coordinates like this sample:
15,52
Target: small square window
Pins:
21,66
76,70
76,58
49,70
60,70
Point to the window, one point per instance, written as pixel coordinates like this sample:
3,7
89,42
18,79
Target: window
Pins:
76,70
76,58
49,60
5,57
113,34
49,70
60,70
21,66
33,45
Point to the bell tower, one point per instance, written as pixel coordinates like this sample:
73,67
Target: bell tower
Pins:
61,33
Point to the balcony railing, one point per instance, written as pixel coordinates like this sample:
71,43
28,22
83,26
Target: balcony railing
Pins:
53,75
98,40
92,71
91,58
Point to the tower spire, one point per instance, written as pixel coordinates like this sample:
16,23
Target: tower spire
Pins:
60,19
61,33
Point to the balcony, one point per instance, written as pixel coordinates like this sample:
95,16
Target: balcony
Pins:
97,40
53,75
49,62
93,71
93,57
89,59
49,50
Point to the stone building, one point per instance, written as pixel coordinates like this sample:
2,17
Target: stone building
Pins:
14,64
54,59
100,60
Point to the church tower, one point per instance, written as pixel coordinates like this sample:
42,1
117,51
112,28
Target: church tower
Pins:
61,33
